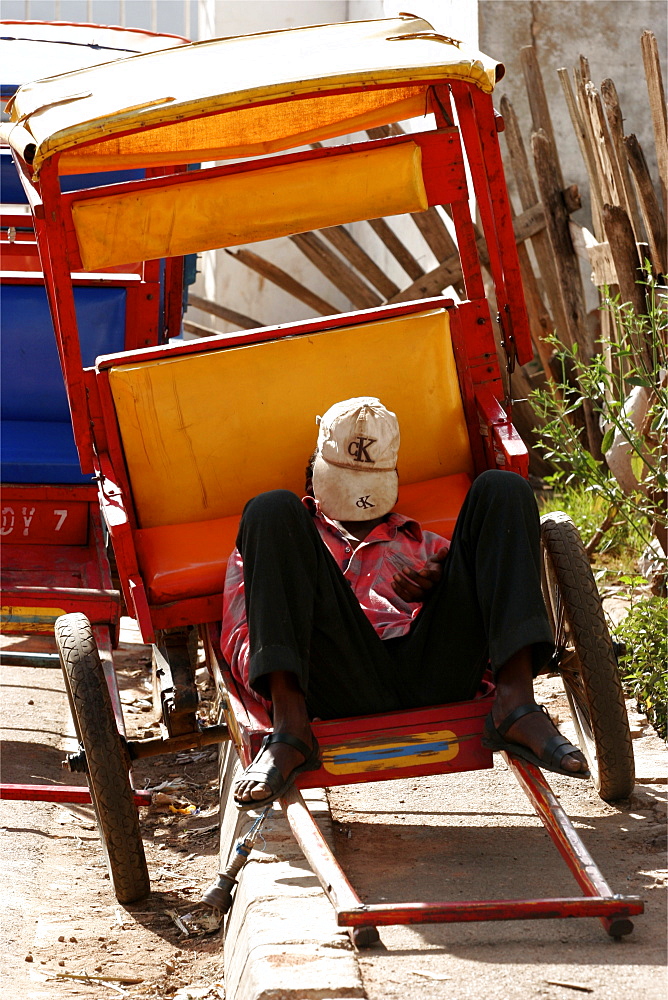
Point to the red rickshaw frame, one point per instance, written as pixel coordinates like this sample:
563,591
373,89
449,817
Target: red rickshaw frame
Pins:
485,399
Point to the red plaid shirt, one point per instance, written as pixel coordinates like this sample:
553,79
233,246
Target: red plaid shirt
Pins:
397,543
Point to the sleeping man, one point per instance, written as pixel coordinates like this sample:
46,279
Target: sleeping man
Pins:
337,605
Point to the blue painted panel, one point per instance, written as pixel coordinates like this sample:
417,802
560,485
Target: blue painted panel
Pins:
37,452
12,193
78,182
11,189
37,438
414,750
31,382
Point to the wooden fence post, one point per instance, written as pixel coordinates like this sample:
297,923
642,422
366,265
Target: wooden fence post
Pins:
567,266
540,242
619,234
655,224
657,106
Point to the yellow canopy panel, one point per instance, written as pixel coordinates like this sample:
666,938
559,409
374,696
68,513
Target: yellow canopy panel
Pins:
240,96
214,212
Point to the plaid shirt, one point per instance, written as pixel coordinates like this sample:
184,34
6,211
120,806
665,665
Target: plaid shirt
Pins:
399,542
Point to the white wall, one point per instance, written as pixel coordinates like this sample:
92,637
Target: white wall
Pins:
176,17
458,18
243,17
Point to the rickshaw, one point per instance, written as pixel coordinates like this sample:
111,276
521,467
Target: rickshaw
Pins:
174,432
54,546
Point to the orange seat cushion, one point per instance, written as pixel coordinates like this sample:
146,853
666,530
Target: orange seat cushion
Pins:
436,502
185,560
189,560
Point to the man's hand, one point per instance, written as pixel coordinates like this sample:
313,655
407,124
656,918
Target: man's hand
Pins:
413,585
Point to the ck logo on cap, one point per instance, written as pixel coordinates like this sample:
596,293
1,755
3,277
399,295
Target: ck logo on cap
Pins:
364,502
359,449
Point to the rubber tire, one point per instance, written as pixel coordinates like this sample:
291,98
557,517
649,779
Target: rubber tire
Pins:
107,762
589,668
364,937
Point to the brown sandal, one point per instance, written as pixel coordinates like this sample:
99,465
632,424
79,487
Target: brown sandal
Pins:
271,775
554,750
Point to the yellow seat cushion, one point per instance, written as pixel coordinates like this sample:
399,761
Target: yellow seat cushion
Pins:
189,560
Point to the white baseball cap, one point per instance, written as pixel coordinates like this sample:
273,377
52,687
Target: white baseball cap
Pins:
355,468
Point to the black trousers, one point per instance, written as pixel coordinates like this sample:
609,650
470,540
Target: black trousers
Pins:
303,615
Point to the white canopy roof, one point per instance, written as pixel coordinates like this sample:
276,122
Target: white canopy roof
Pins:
240,96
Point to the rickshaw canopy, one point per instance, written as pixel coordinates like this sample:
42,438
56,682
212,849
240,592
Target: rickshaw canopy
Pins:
270,93
240,96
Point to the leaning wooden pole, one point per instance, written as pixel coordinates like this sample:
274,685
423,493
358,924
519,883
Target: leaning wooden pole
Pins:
568,269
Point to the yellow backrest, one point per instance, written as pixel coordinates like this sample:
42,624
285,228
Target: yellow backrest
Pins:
203,213
203,433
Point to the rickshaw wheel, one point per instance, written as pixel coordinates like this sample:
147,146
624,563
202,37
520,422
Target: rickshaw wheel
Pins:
108,764
587,661
364,937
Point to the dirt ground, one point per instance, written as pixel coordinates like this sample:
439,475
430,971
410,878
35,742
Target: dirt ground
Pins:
60,917
462,836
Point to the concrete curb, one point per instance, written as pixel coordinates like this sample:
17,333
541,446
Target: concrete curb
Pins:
281,938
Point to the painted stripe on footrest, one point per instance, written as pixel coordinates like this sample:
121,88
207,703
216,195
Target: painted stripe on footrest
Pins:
430,747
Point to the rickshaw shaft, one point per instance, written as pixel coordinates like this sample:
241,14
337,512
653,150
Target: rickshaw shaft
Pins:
573,851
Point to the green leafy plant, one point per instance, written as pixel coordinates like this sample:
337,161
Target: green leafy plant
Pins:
644,633
634,356
602,527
